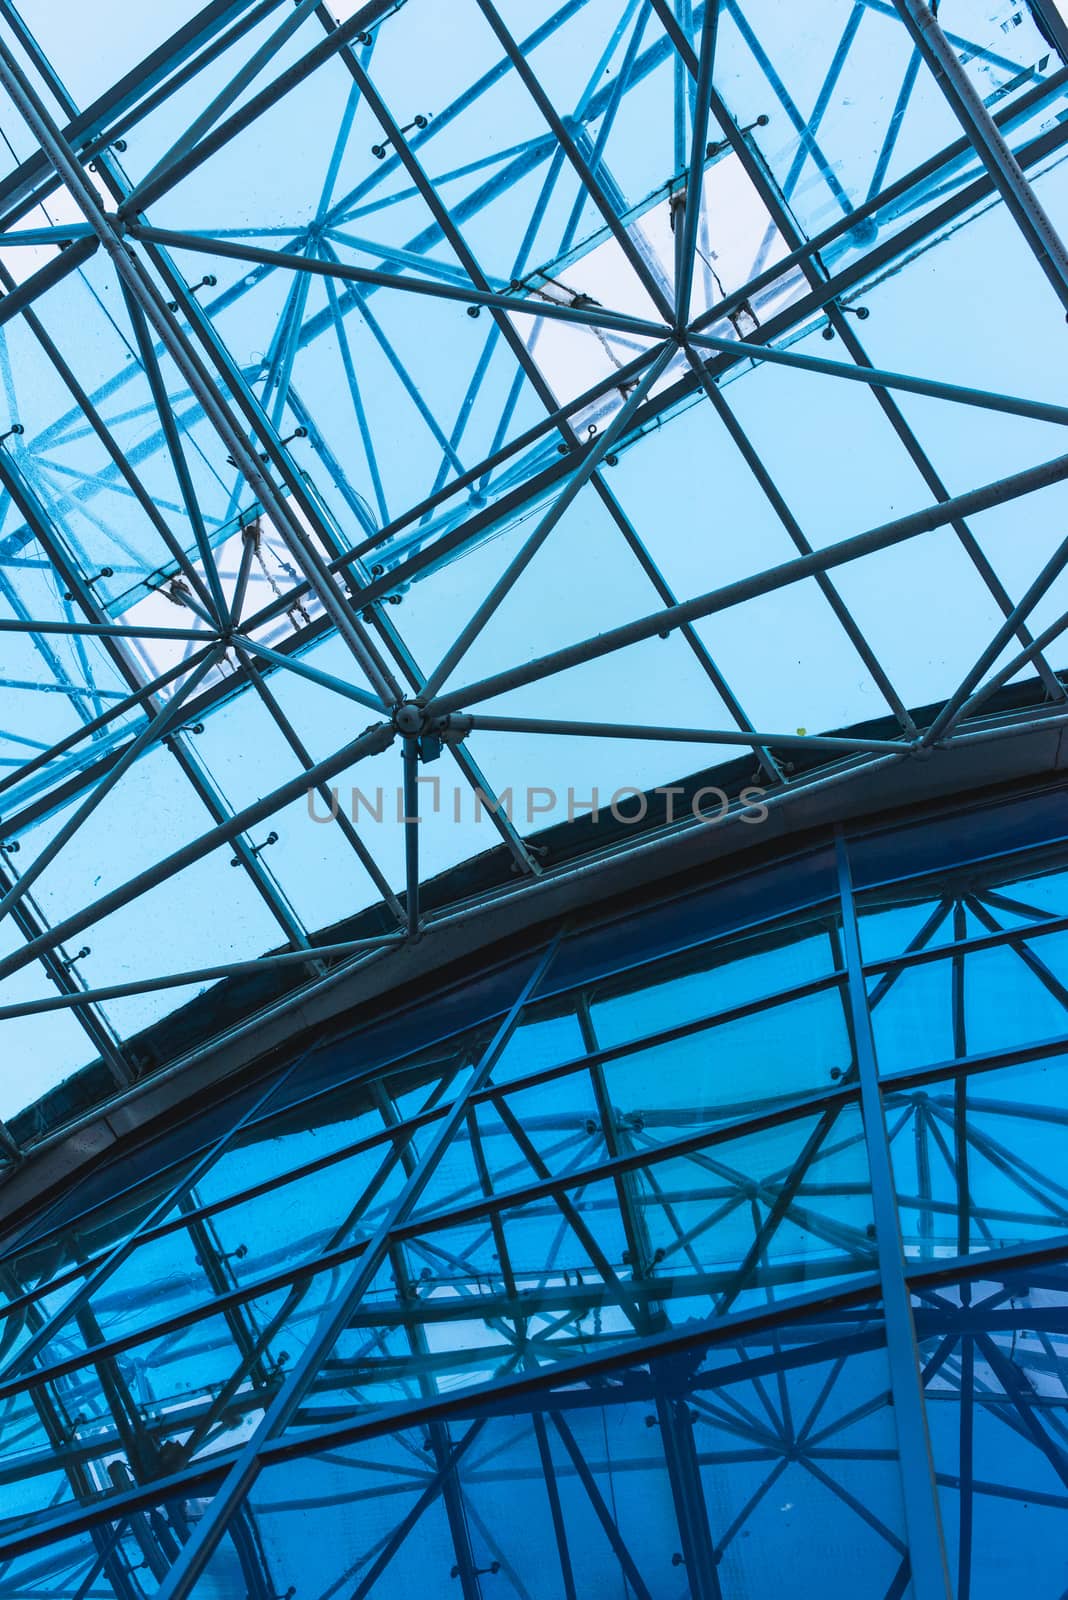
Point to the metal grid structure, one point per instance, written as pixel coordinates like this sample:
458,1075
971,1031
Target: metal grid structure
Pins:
715,1252
552,399
639,353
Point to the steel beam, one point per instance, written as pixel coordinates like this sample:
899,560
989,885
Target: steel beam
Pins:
930,1573
851,549
979,126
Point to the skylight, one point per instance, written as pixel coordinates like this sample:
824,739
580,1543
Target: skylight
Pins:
377,393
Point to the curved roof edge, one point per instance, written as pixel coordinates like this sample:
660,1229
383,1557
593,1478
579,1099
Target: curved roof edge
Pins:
241,1025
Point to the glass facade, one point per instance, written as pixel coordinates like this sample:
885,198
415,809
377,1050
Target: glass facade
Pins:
472,408
462,462
714,1246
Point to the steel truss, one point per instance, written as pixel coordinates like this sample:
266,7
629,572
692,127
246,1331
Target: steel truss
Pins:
336,556
502,1254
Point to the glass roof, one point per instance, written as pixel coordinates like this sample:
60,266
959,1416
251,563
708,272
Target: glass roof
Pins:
485,412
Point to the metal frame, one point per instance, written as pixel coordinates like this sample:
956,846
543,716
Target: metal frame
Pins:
605,1333
316,550
395,686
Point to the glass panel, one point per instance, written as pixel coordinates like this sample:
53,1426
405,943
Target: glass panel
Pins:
724,1457
993,1349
